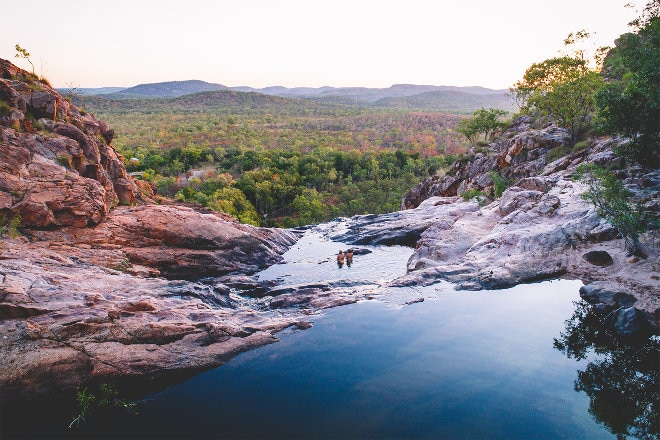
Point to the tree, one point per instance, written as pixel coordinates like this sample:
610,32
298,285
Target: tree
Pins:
486,122
563,88
166,186
22,53
468,130
310,207
612,202
629,104
232,201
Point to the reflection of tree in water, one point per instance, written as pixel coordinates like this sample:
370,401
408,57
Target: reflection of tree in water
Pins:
623,384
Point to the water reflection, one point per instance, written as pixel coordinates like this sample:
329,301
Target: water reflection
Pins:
623,383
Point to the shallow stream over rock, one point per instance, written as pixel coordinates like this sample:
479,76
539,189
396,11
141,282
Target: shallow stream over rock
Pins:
401,362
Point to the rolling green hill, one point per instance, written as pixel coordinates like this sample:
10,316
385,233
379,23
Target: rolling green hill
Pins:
227,101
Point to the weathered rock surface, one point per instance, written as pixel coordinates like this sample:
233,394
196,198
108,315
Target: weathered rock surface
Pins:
64,322
539,228
403,228
173,241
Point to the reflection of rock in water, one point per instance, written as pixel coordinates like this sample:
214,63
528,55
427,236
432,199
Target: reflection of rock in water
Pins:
623,385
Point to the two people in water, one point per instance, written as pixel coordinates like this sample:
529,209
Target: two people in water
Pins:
347,257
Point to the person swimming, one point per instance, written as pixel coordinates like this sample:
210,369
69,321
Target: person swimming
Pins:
340,259
349,256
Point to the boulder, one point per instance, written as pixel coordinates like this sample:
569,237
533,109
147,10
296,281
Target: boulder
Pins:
516,198
534,184
598,258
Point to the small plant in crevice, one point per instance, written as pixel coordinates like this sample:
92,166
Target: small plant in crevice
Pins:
9,226
106,397
556,153
123,265
64,160
23,53
5,108
579,146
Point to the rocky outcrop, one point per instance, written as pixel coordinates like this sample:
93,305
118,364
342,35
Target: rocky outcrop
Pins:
65,322
520,153
60,169
540,227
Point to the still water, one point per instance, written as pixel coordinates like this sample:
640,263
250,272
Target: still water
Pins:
463,365
459,365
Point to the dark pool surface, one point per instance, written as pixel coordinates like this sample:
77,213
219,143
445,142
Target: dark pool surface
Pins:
465,365
462,365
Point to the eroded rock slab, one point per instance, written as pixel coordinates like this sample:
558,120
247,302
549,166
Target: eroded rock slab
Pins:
66,322
174,241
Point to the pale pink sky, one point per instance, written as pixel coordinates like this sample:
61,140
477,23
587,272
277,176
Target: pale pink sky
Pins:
260,43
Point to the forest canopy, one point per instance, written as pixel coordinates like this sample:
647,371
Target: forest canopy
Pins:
275,161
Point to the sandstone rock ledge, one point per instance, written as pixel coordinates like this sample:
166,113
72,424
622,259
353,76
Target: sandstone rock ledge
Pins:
68,317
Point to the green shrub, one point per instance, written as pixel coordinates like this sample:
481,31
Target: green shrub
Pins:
613,202
472,193
35,86
581,146
64,160
123,265
500,184
290,223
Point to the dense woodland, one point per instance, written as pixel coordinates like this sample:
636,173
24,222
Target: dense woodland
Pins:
278,161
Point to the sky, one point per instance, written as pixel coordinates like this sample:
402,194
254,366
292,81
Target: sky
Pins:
299,43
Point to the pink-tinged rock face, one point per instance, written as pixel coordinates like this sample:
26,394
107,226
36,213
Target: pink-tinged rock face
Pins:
61,171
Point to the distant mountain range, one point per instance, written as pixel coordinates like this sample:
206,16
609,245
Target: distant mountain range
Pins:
400,96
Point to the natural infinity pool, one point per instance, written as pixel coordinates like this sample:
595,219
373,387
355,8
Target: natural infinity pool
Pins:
459,365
